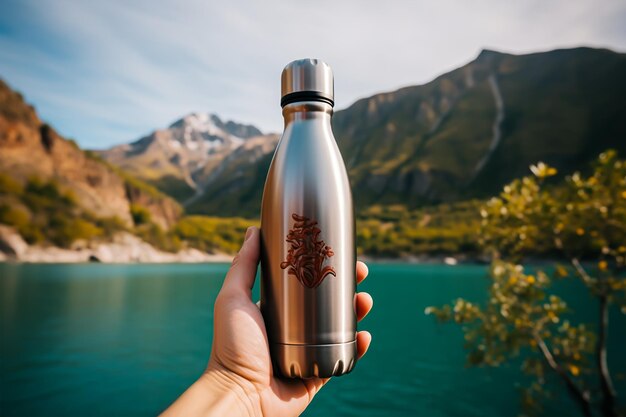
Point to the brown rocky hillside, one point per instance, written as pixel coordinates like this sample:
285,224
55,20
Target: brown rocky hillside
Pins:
30,148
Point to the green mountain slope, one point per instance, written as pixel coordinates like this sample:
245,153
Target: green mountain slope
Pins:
470,131
237,188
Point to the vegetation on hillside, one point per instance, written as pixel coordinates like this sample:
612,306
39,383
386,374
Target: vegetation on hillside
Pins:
395,231
389,231
129,179
44,213
213,233
584,219
237,191
174,187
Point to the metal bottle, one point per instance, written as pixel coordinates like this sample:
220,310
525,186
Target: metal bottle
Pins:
308,271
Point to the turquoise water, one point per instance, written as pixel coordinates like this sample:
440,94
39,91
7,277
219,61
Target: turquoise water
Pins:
128,339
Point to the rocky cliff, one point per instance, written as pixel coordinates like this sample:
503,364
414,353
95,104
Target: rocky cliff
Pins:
30,148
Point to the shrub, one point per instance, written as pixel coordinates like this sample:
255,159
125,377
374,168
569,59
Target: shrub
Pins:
63,231
9,186
213,233
159,238
140,214
14,216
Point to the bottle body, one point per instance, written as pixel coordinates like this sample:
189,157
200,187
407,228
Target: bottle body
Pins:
308,256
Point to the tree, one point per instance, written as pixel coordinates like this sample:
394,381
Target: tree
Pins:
582,221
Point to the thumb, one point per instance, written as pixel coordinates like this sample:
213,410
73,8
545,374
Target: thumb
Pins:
242,272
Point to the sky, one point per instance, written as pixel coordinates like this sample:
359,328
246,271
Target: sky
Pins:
109,72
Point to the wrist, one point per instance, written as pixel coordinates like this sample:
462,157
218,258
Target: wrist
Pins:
231,391
216,393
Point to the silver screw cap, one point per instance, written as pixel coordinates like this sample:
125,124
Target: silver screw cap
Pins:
307,80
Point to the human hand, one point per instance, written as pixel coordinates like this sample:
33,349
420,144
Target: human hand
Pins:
240,367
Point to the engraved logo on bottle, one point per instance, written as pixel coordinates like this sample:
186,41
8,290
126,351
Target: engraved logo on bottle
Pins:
307,253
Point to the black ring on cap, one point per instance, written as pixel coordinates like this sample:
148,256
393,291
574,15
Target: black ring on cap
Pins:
305,96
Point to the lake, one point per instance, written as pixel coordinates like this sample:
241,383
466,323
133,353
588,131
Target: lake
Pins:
126,340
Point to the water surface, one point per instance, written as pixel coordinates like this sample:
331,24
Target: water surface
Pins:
126,340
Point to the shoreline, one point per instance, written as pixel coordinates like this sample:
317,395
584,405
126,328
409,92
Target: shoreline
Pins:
123,248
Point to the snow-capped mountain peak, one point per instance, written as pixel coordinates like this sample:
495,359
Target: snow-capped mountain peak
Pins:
201,123
212,125
189,149
206,133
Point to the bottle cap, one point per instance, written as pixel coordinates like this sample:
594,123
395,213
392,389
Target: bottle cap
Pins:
307,80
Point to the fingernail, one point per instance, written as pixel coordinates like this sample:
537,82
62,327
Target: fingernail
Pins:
248,233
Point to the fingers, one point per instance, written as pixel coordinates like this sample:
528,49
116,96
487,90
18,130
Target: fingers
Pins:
364,301
361,272
364,304
242,272
363,340
313,385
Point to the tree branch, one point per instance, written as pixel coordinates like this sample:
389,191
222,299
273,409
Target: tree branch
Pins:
609,394
609,408
581,271
580,396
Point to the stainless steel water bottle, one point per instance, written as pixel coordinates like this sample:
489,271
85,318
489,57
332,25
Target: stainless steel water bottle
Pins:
308,271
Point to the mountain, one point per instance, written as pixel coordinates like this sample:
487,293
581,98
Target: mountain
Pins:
181,159
472,130
31,149
463,135
236,186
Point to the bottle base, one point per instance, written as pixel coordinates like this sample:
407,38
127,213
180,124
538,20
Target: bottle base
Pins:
309,361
